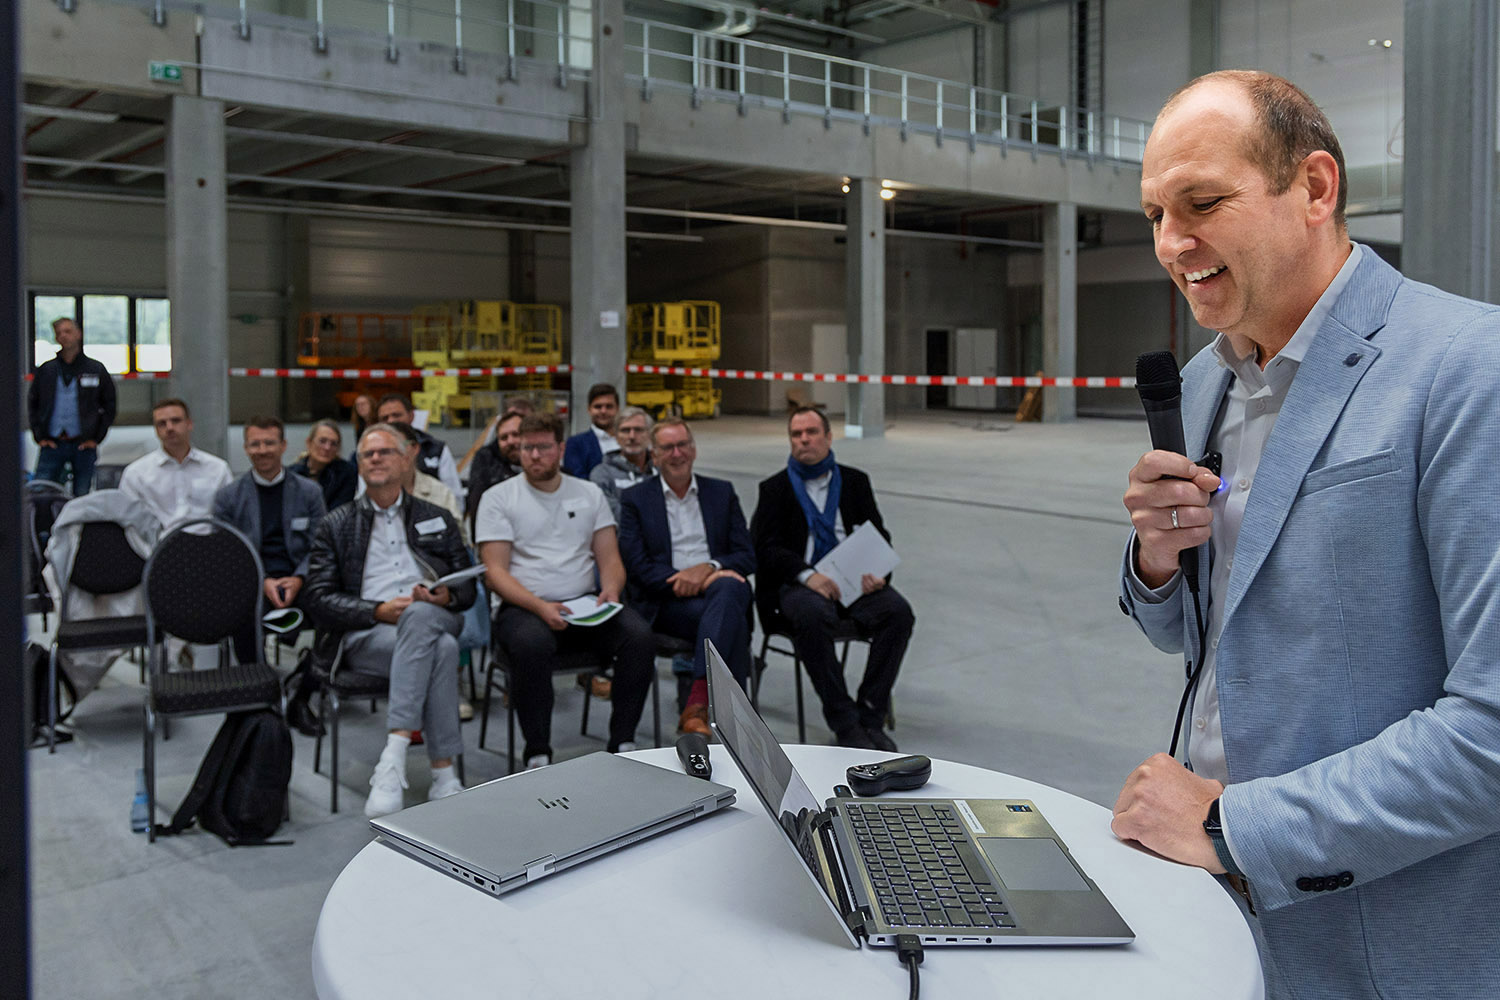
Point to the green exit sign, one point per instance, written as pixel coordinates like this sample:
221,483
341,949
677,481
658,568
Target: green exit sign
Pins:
165,72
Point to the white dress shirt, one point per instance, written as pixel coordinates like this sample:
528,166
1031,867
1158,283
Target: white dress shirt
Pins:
1246,417
176,491
817,492
391,570
685,522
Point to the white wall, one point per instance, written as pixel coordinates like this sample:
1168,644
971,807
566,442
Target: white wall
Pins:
1037,55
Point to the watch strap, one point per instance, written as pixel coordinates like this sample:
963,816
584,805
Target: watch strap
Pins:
1214,827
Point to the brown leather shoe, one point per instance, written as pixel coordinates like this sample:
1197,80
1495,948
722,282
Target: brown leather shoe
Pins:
695,720
603,687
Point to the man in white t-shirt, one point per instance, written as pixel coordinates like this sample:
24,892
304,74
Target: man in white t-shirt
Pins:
546,538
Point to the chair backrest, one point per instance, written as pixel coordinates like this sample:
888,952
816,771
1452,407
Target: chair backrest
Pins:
105,563
41,502
203,583
107,477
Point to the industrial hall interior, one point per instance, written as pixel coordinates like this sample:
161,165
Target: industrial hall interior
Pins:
450,417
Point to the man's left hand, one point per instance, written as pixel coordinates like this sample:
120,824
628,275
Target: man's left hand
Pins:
1162,806
282,591
691,582
87,445
607,596
437,595
869,583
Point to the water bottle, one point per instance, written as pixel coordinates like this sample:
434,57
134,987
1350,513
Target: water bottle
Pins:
140,818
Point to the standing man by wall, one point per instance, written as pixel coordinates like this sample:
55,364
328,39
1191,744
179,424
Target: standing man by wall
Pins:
71,404
1344,733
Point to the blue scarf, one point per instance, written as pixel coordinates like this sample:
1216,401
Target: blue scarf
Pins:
819,522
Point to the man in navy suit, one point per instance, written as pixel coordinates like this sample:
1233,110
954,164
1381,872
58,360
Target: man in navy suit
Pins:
687,552
587,449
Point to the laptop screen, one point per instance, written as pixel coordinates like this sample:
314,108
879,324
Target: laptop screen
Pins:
765,765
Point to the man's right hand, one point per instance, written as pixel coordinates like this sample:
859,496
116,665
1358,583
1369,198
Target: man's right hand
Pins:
1160,483
824,586
552,613
46,443
390,611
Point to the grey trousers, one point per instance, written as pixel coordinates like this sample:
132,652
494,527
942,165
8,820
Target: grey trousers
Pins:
420,655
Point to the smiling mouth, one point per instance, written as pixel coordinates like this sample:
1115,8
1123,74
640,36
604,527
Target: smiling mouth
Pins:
1195,277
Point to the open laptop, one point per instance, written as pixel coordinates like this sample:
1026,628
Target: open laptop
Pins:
951,871
512,831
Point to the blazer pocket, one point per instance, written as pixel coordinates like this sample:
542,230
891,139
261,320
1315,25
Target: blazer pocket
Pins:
1364,467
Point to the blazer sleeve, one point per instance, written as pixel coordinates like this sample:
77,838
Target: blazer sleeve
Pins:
34,413
773,531
739,553
1430,781
312,508
647,565
224,507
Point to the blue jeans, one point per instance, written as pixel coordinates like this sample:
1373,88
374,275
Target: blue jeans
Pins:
50,463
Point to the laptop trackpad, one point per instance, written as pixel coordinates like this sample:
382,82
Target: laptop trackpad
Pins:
1032,863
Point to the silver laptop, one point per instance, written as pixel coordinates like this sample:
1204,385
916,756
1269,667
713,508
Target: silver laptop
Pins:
951,871
512,831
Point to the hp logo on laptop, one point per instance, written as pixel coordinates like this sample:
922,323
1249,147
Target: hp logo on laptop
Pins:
559,803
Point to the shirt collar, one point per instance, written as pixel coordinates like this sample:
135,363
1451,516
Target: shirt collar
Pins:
692,490
280,475
163,458
393,509
1289,358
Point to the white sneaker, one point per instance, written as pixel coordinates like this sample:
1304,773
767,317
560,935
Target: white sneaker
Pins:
385,788
445,783
540,760
465,710
626,747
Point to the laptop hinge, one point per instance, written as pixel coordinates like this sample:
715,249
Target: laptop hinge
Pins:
541,866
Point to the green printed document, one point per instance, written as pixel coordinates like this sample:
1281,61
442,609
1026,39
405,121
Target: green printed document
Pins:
587,610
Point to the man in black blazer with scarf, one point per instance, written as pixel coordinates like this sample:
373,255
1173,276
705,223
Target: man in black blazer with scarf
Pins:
687,554
803,512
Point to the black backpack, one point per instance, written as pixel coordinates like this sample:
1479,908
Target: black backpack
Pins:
240,791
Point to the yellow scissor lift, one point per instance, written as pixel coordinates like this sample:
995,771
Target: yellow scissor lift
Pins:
481,334
683,334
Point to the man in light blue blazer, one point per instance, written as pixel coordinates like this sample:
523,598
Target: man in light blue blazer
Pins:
1343,733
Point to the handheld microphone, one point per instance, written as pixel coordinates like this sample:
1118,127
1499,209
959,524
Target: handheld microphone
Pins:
1160,385
692,750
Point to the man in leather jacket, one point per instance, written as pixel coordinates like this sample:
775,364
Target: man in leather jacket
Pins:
368,586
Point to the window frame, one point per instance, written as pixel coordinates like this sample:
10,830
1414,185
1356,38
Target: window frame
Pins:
131,343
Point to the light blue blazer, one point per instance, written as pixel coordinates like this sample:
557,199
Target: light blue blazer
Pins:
1359,663
301,510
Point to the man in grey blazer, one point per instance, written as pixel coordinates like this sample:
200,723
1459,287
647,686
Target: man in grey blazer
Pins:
278,513
1343,732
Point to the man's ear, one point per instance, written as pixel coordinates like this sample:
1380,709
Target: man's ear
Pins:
1318,174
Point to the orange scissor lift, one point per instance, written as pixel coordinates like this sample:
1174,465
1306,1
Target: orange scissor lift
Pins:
357,340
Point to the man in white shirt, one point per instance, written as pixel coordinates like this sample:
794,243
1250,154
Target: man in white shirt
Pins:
543,538
177,482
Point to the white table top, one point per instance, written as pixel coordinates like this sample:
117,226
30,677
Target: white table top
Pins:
668,917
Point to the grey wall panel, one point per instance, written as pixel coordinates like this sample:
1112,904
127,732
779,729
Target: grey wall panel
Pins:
1117,322
1135,86
392,265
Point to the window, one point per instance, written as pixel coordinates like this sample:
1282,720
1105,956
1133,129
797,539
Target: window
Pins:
125,333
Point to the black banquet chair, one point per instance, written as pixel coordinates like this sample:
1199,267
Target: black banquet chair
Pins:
203,585
776,628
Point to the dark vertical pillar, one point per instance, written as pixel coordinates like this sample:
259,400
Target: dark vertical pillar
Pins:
15,892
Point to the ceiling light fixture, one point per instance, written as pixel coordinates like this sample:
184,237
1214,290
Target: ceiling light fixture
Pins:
887,194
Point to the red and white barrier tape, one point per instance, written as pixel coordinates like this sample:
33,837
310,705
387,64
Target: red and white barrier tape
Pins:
1090,382
397,372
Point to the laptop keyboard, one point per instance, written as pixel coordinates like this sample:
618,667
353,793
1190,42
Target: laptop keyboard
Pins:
924,868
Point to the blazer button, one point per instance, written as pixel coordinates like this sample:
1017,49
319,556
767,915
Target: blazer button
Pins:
1346,879
1320,884
1305,884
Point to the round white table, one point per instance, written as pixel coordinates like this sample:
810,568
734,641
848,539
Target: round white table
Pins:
718,908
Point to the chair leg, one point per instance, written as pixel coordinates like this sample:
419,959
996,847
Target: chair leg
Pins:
588,696
318,740
758,667
801,720
655,706
489,686
510,724
333,752
51,700
458,762
148,758
166,728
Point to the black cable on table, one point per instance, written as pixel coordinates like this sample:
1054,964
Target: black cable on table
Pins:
909,951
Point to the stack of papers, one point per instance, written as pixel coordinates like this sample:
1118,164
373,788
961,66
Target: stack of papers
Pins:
587,610
865,551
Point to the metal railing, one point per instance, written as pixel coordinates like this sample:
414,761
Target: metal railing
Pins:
557,32
795,81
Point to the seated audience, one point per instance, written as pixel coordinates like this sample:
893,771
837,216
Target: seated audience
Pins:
587,449
176,482
542,537
687,552
436,459
279,514
367,580
322,464
803,512
495,462
622,469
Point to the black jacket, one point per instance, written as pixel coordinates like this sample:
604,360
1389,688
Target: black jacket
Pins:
779,530
336,567
96,403
487,468
338,481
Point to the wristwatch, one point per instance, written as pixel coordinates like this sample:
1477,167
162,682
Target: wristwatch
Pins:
1215,830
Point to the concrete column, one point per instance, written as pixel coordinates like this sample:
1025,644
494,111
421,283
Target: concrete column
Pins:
1060,308
864,306
198,268
1448,238
301,398
597,246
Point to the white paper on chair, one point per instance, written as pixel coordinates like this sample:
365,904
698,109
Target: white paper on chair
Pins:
587,610
865,551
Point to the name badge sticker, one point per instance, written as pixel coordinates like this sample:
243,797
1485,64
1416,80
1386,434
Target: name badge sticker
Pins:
89,381
430,526
299,524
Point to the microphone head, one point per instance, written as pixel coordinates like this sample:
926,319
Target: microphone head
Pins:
1157,377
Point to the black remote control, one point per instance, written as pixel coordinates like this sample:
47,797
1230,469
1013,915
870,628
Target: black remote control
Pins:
692,750
898,773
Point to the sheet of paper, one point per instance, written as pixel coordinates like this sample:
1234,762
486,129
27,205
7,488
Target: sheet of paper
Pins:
865,551
458,576
587,610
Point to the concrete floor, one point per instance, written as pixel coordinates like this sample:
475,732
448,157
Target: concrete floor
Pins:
1010,537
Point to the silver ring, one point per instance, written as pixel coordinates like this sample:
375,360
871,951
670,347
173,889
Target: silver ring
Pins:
1174,518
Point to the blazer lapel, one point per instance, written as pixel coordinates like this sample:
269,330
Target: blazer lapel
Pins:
1336,360
713,527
